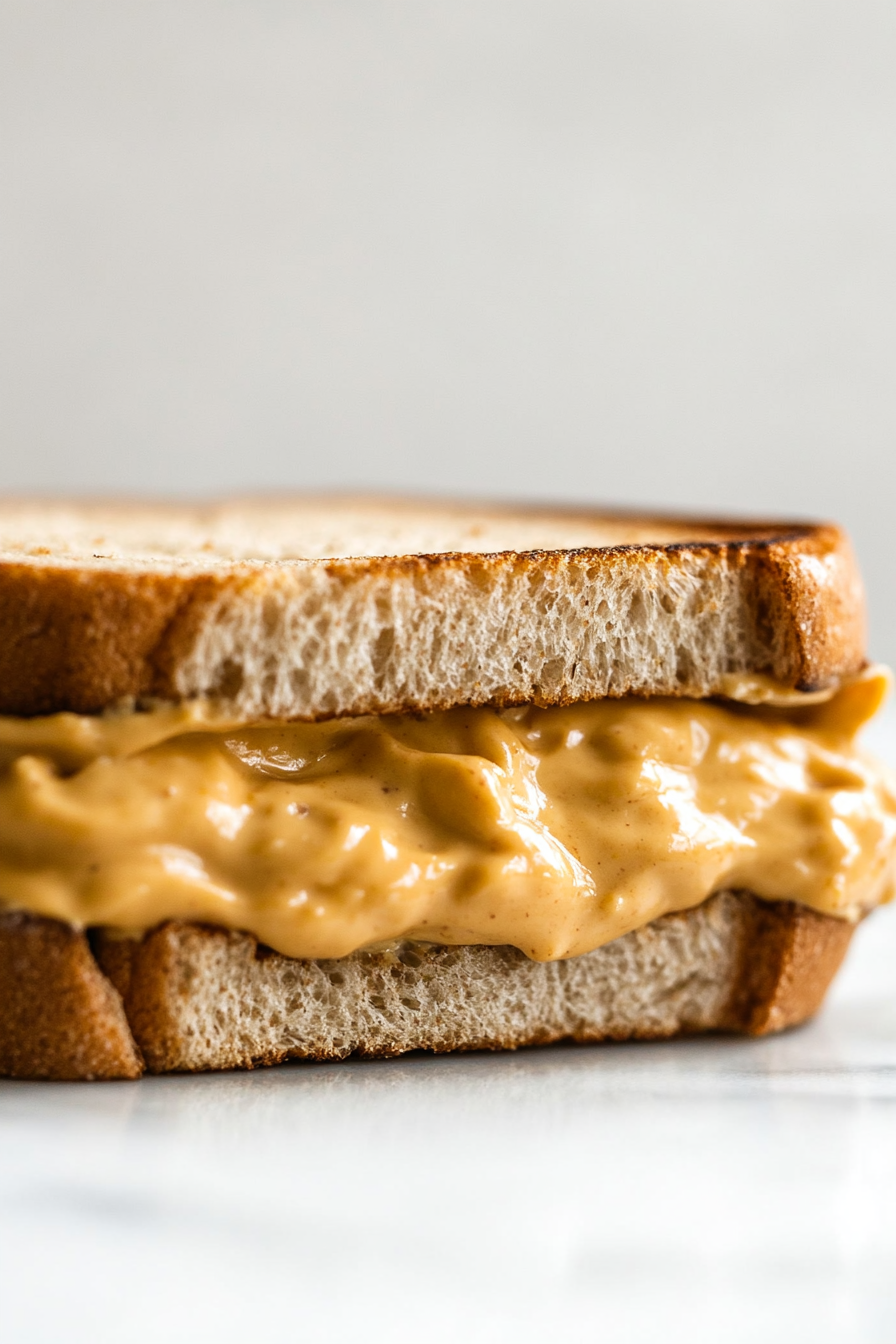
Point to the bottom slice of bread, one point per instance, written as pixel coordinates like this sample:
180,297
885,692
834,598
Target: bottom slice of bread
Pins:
189,997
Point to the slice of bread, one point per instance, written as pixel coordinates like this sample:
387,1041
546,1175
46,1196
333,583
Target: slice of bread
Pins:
316,608
188,997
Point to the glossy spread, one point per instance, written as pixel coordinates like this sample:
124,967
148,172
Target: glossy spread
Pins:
554,830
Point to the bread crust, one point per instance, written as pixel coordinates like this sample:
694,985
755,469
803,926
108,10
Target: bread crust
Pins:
60,1017
790,955
387,634
734,964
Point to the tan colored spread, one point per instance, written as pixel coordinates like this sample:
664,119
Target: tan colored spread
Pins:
554,830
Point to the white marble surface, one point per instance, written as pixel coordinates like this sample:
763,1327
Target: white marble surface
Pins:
722,1191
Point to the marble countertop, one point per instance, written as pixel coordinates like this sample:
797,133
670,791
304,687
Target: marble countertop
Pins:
718,1190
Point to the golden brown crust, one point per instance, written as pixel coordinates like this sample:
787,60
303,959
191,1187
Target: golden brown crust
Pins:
813,593
78,638
152,982
59,1015
790,956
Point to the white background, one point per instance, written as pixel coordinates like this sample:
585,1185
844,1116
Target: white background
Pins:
637,251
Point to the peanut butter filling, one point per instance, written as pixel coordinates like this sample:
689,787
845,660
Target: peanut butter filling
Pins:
555,830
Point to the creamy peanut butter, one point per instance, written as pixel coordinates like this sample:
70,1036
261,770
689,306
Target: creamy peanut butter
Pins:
554,830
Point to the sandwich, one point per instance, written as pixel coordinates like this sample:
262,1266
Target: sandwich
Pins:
290,779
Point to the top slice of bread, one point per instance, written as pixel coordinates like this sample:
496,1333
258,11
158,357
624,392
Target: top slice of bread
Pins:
312,608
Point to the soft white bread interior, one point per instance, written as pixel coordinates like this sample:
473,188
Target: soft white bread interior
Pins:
313,608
